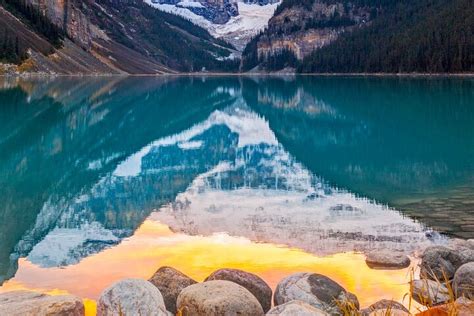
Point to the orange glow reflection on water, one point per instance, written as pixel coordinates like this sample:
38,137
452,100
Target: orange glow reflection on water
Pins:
155,245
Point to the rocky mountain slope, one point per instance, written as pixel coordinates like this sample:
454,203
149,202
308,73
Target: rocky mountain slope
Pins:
299,27
237,22
107,36
366,36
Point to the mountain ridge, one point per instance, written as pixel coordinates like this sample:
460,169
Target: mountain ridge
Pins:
97,37
114,37
364,36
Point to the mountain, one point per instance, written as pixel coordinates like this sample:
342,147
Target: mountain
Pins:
342,36
105,36
236,22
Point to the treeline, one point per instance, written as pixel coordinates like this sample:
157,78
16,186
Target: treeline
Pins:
432,36
250,58
10,49
279,60
32,17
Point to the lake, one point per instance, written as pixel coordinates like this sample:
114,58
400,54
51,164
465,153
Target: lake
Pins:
103,178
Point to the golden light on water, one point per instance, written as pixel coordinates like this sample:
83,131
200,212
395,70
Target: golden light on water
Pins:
154,245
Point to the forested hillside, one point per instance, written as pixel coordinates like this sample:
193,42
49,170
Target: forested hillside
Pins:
391,36
433,36
104,36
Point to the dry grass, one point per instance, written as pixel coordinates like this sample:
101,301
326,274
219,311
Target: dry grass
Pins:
26,66
450,306
448,309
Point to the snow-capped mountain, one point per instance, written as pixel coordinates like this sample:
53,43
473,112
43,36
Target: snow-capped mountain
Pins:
234,21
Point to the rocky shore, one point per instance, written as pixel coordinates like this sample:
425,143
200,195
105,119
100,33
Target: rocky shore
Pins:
445,287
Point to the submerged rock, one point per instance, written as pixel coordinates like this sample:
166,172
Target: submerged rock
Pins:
385,307
316,290
463,283
439,262
217,298
20,303
131,297
387,260
429,292
251,282
170,282
293,308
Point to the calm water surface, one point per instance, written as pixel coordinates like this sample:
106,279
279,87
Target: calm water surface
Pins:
106,178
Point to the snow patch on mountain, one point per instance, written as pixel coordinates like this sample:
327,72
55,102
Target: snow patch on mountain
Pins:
251,128
252,19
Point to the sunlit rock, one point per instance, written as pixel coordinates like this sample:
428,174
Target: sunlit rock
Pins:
131,297
387,260
170,282
296,308
316,290
251,282
428,292
217,298
385,307
20,303
439,262
463,283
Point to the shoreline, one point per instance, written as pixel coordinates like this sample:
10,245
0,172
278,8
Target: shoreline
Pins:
233,74
169,291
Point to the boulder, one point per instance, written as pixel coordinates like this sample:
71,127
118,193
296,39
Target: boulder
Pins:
251,282
429,292
463,283
28,303
316,290
131,297
170,282
217,298
439,262
293,308
462,306
387,260
385,307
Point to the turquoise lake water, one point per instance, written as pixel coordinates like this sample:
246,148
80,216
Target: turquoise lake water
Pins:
368,162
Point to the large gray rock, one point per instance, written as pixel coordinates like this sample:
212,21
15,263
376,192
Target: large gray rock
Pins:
428,292
296,308
439,262
130,297
464,306
316,290
463,283
250,281
170,282
385,307
386,259
25,303
218,298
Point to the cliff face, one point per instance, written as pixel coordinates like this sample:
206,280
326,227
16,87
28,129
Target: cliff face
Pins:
301,28
67,15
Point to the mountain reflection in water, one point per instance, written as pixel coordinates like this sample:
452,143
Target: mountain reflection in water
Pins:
321,166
